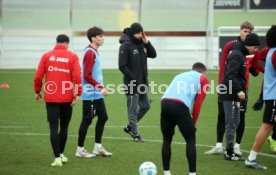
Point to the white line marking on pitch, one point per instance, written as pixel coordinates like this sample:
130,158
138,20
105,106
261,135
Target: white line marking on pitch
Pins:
17,72
2,127
123,138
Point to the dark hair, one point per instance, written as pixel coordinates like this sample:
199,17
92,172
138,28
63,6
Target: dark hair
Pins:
62,38
247,25
271,36
200,67
94,31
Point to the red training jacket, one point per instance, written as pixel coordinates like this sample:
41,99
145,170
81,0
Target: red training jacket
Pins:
62,73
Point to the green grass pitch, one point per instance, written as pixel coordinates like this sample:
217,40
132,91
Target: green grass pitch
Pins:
25,144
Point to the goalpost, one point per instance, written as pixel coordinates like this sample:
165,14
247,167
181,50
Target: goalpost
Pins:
210,34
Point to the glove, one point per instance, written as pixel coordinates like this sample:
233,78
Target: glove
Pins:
258,105
253,71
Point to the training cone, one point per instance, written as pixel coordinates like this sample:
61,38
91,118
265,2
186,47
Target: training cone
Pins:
4,86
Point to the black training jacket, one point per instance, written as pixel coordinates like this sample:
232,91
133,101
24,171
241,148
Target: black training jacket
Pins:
235,73
133,54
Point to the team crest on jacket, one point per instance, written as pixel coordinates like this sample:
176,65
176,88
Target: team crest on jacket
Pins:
135,51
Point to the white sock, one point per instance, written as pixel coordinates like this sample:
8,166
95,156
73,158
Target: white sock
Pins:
252,155
61,154
80,148
167,172
98,145
192,173
237,145
57,158
218,145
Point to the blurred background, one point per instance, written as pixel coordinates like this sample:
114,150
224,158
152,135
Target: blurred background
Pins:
183,31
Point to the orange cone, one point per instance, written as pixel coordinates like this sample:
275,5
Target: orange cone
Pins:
4,86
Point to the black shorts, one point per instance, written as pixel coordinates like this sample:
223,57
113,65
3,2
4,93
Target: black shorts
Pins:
176,114
270,112
56,111
90,108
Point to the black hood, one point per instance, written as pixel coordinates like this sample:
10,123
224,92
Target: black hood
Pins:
128,37
240,46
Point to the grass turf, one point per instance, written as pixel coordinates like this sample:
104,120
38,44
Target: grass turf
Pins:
26,149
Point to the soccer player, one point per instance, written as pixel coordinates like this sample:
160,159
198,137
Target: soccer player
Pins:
235,82
184,90
259,103
93,95
269,96
133,53
61,70
252,67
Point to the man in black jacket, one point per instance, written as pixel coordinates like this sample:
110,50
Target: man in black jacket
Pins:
133,53
234,81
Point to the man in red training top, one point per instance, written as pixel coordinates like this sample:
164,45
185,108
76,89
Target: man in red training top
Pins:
186,89
61,70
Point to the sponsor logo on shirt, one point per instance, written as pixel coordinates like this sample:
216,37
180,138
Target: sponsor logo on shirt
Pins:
52,59
56,69
58,59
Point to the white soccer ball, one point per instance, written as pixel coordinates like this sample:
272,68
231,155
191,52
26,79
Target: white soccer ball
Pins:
147,168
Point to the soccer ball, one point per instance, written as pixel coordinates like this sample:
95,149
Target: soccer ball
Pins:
147,168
